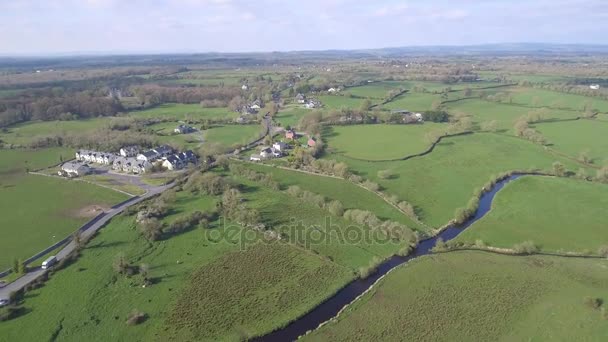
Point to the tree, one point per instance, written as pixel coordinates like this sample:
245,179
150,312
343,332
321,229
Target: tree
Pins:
559,169
468,92
365,105
385,174
521,125
489,126
335,208
583,156
602,174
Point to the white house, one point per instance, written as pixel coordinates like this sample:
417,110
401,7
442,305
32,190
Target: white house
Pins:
594,86
300,98
129,151
332,90
71,169
173,163
265,153
280,146
148,156
419,116
255,106
245,87
118,163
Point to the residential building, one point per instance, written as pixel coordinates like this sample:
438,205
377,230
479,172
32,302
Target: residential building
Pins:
245,87
291,134
129,151
301,98
164,151
312,142
184,129
280,146
148,156
71,169
173,163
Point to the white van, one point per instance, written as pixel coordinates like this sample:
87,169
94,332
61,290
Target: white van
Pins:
49,262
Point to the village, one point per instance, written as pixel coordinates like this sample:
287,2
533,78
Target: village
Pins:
129,160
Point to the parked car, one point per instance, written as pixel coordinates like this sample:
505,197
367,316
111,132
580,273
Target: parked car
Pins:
3,302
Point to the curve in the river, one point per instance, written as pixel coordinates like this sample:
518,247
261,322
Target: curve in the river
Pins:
331,307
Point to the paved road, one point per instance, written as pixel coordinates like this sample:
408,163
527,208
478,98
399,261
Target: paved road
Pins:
33,274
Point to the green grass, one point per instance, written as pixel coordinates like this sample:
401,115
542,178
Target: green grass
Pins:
413,102
504,114
316,229
555,213
338,102
25,133
554,99
291,115
37,211
576,137
380,142
475,296
231,135
114,184
178,111
444,180
18,160
350,195
205,286
378,90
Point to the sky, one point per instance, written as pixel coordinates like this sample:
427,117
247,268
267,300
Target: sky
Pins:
34,27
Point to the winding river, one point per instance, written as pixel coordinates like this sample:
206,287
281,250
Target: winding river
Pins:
331,307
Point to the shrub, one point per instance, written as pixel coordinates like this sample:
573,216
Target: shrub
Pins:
603,251
151,229
385,174
407,208
355,178
559,169
371,185
370,269
136,317
122,266
335,208
594,303
526,247
440,246
480,243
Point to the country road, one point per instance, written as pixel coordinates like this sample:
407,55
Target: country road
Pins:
34,273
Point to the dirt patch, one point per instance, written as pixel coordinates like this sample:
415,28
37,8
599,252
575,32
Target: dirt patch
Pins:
90,211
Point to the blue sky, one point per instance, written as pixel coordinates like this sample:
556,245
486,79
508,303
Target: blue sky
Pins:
59,26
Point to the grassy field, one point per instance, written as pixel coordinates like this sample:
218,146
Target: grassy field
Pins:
25,133
36,211
178,111
204,286
377,90
350,195
444,180
413,102
554,99
380,142
555,213
576,137
504,114
472,296
315,229
338,102
114,184
231,135
291,115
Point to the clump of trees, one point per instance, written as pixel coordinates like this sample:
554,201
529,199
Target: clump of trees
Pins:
436,116
523,130
262,178
232,208
526,247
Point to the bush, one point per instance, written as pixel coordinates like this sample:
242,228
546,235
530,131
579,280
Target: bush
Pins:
594,303
407,208
151,229
370,269
371,185
603,251
526,247
136,317
480,243
440,246
335,208
385,174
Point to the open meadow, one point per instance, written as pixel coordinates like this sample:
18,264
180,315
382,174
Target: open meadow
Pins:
555,213
581,138
462,296
26,133
178,111
380,142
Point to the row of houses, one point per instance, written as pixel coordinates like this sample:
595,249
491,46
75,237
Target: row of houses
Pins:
95,157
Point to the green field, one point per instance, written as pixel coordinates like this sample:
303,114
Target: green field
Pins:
204,287
554,99
576,137
36,211
555,213
350,195
505,114
291,115
380,142
179,111
444,180
377,90
339,102
475,296
413,102
231,135
25,133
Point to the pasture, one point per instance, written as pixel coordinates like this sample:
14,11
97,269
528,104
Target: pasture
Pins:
553,99
476,296
339,102
291,115
444,180
179,111
576,137
504,114
200,268
350,195
26,133
231,135
413,102
380,142
555,213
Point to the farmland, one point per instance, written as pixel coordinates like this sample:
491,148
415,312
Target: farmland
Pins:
174,111
231,135
370,142
557,214
581,137
44,210
26,133
456,167
413,102
338,102
478,296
